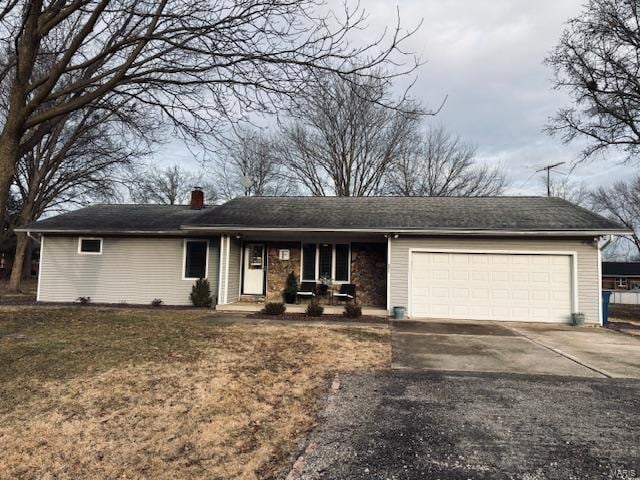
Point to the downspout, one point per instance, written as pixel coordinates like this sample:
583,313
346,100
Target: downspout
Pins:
600,246
388,274
607,241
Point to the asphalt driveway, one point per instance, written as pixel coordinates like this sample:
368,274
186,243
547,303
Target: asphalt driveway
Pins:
515,348
485,400
418,425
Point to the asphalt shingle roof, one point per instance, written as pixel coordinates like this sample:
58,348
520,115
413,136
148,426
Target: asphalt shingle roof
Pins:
121,218
339,213
406,213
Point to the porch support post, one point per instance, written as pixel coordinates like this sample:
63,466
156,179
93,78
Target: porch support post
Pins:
389,274
222,269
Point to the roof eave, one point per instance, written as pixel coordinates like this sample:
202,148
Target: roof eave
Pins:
404,231
88,231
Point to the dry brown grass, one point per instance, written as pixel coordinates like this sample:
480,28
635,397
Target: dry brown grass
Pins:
28,289
93,393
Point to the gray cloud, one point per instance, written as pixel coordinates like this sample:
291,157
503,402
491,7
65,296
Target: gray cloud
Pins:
487,56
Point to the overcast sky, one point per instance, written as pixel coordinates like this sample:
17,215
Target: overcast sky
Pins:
487,56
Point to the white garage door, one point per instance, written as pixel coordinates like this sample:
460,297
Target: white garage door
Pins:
489,286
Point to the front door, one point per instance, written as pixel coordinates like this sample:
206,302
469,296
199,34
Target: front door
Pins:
253,269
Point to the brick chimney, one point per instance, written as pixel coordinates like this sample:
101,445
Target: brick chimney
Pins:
197,198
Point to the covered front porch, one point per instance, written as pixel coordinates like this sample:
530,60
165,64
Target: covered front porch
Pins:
254,269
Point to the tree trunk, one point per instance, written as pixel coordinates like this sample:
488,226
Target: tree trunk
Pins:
28,255
18,261
9,143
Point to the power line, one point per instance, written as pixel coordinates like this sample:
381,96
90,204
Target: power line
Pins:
548,168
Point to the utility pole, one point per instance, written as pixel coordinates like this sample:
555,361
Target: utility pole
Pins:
548,169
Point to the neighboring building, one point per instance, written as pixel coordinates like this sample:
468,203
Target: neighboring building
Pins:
487,258
621,275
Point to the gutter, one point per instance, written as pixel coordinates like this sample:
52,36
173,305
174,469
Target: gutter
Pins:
561,233
85,231
186,229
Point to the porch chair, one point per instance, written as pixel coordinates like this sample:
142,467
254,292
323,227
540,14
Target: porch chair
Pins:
306,290
347,293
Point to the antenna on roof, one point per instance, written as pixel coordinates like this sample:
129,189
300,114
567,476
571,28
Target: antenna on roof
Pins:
548,168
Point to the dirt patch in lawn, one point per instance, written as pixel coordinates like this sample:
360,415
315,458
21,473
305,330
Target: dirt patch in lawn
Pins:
624,312
91,393
303,317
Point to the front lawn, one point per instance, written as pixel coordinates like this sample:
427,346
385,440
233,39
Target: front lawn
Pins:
107,393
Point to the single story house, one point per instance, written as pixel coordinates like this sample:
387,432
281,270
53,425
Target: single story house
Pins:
487,258
621,275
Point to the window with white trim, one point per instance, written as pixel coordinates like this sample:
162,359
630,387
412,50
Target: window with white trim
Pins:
326,260
621,282
195,258
90,246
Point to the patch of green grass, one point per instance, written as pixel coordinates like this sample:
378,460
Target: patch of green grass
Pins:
45,344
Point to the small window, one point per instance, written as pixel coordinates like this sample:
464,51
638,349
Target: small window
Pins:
195,263
90,246
325,261
256,257
309,262
342,263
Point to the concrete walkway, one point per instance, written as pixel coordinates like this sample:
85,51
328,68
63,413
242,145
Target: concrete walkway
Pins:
515,348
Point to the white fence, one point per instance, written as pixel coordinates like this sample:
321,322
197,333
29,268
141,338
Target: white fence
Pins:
628,298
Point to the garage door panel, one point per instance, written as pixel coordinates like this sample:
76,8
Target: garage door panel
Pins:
499,294
439,275
525,287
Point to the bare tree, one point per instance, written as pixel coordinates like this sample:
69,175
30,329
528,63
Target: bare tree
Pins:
251,166
621,203
194,62
577,193
345,140
78,161
597,62
440,164
170,185
7,236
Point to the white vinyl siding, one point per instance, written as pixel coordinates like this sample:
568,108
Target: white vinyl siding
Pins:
235,254
586,255
131,270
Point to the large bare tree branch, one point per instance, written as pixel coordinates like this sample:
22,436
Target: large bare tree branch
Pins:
438,163
343,141
597,62
195,63
621,203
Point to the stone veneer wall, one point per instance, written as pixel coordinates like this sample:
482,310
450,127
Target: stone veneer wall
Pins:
369,273
278,270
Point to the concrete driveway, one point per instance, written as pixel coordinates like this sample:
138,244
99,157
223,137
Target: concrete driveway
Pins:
515,348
